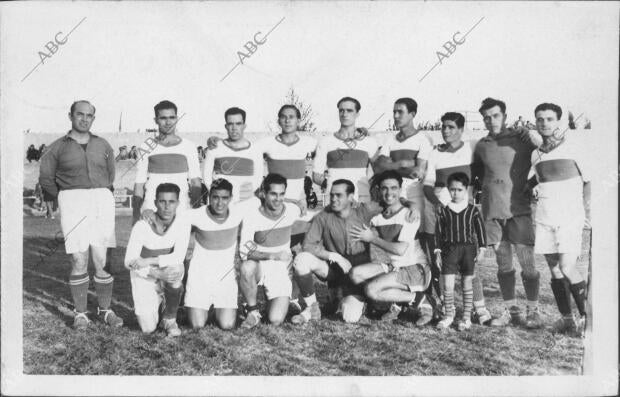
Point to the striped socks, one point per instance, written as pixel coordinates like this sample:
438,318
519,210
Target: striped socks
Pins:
467,302
448,300
79,291
103,287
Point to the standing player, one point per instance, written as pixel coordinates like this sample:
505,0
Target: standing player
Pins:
155,259
407,152
502,161
236,159
562,176
347,153
211,276
454,155
407,274
266,252
461,242
79,169
172,160
329,252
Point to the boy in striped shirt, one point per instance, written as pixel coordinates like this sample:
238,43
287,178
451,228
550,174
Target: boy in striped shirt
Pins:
460,238
561,179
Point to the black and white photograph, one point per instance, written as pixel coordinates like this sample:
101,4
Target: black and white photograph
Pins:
296,198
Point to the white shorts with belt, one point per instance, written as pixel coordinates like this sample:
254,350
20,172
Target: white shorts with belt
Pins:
87,218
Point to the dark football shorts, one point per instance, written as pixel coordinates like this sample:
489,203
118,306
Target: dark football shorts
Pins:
515,230
459,258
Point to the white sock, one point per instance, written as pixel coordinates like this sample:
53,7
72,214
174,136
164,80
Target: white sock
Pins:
310,300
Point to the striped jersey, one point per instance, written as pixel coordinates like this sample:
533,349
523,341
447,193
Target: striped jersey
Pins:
346,160
170,247
411,148
288,161
560,175
243,168
394,228
459,223
262,232
218,237
168,164
443,161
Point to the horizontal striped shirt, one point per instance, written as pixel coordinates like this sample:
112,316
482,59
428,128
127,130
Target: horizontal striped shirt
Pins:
243,168
288,160
170,247
560,174
462,227
346,159
265,233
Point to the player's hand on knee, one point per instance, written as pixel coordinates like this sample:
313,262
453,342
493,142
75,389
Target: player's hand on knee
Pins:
438,259
341,261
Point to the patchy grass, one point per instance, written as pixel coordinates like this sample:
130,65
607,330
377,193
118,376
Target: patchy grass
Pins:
329,347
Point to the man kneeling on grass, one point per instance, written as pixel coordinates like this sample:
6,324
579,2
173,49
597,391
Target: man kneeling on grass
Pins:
407,275
330,252
155,254
266,251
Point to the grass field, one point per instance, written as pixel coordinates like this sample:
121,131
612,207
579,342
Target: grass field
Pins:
329,347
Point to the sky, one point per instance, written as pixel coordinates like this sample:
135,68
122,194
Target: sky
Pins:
127,56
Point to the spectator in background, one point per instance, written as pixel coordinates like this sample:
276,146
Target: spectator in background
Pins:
42,149
32,154
201,153
133,153
122,153
519,122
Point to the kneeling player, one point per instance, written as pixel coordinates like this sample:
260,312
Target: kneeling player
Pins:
329,252
266,238
563,186
459,229
211,276
155,254
402,280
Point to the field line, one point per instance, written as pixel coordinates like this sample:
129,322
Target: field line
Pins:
114,301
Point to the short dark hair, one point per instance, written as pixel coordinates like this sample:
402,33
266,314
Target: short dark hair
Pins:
410,103
234,110
459,177
350,185
389,174
454,116
273,179
489,103
358,107
81,101
221,184
549,106
289,107
167,188
164,105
